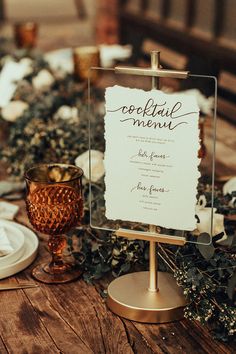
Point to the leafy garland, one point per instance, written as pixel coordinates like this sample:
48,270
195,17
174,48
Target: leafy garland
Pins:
207,274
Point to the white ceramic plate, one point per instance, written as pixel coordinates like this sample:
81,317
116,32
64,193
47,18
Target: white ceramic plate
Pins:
16,239
30,252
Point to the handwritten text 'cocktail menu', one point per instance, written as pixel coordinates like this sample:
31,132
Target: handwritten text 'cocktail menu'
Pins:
151,157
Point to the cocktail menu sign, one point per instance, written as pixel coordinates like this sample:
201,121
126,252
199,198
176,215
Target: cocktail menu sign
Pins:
151,157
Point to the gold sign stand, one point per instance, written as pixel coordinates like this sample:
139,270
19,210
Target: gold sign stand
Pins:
151,297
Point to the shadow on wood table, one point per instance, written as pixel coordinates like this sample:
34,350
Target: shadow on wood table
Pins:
73,318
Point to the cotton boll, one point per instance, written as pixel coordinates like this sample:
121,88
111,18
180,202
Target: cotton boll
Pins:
205,104
97,165
43,81
27,66
14,110
67,112
229,186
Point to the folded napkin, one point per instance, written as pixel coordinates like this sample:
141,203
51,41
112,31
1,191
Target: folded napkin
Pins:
7,187
8,210
5,246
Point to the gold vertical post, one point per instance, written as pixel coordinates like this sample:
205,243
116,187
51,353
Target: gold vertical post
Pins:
155,64
136,296
153,281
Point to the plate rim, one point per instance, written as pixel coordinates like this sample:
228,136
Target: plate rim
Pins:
16,251
28,256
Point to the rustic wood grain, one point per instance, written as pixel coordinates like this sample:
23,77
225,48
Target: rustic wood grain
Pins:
73,318
21,328
77,320
167,338
70,312
138,342
3,349
205,341
181,337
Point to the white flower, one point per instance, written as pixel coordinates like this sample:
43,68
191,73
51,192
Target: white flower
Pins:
67,112
14,110
229,186
60,59
6,59
26,65
97,165
204,215
43,80
206,104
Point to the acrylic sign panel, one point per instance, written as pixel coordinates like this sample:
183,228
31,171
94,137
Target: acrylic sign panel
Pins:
126,160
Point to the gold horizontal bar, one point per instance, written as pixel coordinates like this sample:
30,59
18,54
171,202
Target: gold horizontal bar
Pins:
178,74
151,236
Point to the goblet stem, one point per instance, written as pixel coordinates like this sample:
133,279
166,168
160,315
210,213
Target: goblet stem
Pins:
56,244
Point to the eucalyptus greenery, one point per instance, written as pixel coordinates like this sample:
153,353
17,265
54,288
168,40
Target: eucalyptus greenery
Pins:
207,273
39,137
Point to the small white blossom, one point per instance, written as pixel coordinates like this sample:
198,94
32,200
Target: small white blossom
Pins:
43,81
14,110
97,165
67,112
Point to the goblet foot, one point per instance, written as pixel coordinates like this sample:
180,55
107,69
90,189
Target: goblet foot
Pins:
44,274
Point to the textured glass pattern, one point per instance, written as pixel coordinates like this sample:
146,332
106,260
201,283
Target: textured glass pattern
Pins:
54,209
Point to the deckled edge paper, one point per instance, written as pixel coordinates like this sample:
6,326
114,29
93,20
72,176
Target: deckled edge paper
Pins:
151,157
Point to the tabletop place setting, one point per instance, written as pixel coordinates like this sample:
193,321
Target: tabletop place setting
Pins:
18,247
112,209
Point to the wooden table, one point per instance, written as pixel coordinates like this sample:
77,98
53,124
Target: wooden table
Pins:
73,318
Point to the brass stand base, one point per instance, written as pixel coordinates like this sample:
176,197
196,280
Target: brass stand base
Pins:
128,297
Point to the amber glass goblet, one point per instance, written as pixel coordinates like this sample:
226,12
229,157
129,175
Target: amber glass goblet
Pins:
54,205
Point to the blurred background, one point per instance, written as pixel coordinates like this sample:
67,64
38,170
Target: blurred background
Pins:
195,34
198,35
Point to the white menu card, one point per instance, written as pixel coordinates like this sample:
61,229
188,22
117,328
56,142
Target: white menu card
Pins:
151,157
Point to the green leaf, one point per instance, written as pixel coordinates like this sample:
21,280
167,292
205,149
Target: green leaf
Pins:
125,267
234,241
204,238
207,250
